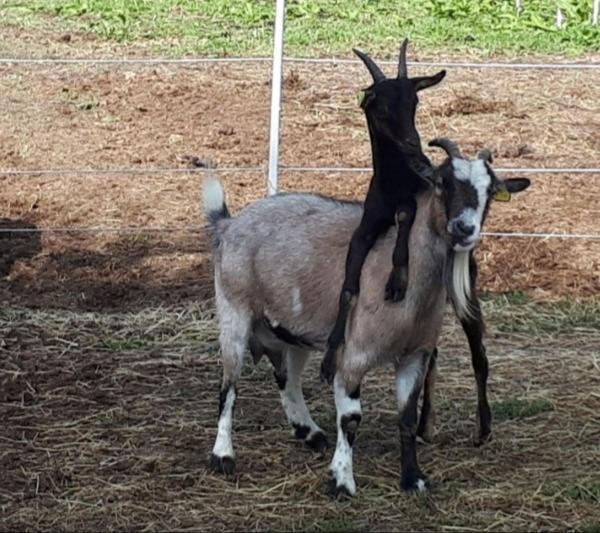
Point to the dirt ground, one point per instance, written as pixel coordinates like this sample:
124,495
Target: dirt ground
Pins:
109,366
108,420
112,117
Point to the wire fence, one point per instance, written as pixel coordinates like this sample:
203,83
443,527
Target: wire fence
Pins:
52,62
292,60
285,168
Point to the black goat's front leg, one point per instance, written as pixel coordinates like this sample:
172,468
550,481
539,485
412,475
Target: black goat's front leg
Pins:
395,288
362,241
474,328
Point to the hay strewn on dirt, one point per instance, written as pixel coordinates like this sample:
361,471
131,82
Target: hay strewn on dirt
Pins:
108,420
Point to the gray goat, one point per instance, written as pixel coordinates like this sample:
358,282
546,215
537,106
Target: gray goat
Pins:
278,268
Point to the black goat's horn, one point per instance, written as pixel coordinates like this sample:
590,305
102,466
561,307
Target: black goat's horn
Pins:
449,146
375,71
486,155
402,70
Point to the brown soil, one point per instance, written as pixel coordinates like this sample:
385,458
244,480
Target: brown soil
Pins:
73,117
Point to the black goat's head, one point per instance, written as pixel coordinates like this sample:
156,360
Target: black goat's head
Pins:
466,188
390,103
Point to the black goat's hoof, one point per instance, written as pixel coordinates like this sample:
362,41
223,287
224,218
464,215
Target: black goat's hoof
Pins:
417,484
222,465
395,291
317,442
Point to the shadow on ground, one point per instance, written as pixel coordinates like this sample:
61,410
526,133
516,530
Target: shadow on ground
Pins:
94,273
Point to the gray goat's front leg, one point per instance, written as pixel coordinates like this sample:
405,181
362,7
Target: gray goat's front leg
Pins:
348,409
409,381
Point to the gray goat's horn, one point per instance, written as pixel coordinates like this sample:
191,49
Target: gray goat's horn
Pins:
402,70
370,64
486,155
449,146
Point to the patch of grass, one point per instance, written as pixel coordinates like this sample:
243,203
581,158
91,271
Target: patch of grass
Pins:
591,528
334,525
323,27
586,492
517,408
517,313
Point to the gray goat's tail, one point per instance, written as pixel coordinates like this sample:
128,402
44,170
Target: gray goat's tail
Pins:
213,200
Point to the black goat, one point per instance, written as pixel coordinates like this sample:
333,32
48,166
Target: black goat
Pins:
399,171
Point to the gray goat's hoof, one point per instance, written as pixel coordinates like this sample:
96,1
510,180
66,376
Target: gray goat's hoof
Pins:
222,465
338,492
317,442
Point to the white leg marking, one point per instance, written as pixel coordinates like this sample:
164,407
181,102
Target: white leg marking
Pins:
296,301
406,379
341,464
292,397
223,444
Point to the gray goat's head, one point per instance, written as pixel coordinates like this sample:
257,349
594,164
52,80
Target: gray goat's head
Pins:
466,188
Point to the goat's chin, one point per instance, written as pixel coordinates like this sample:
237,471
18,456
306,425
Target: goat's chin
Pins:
464,246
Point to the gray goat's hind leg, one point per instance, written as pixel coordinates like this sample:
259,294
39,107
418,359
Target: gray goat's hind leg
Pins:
289,380
409,380
233,337
427,418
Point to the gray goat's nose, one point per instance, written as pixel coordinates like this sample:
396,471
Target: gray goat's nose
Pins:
462,228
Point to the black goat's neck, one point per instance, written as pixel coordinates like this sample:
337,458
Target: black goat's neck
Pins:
391,168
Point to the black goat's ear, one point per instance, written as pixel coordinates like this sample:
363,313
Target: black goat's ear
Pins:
425,82
516,184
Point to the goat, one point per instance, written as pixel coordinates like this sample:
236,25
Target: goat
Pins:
398,161
276,266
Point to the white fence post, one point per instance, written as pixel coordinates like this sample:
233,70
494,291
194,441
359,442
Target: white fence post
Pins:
276,98
595,9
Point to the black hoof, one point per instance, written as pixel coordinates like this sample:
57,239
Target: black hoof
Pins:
222,465
328,368
416,484
394,294
484,438
395,288
317,442
336,492
300,431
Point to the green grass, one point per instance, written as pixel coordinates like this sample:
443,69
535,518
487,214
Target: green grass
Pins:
313,28
517,408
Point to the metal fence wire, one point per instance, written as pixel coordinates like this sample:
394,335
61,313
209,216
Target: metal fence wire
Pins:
273,156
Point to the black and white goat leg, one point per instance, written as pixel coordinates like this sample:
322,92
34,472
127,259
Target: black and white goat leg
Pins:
474,328
362,241
288,376
349,414
395,288
409,381
234,336
427,418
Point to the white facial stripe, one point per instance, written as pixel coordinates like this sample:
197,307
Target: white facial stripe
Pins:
475,173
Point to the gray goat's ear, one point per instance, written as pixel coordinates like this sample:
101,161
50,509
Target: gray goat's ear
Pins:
424,82
372,67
